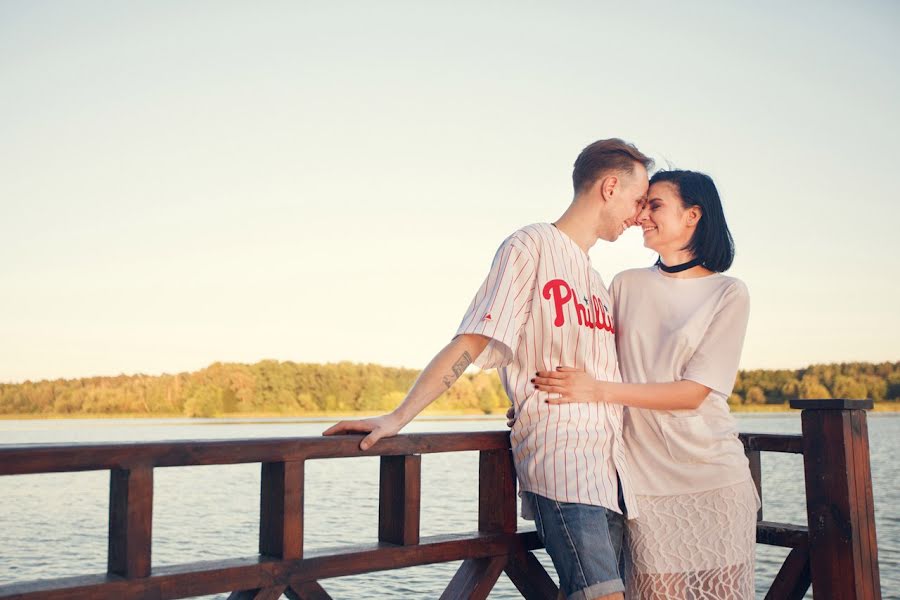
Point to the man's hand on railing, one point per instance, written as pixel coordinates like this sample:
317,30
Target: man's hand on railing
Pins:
441,373
377,428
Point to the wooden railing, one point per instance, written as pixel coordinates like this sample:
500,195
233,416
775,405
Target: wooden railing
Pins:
282,566
837,554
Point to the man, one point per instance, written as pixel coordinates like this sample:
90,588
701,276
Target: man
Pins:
543,304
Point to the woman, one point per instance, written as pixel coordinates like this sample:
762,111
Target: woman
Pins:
680,328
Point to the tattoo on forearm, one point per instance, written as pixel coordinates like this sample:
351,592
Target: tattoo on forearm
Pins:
459,368
464,361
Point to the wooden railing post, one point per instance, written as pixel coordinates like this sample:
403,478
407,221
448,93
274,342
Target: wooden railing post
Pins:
496,491
399,499
130,521
840,508
281,510
496,514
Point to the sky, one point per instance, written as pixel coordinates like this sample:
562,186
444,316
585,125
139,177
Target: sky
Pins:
189,182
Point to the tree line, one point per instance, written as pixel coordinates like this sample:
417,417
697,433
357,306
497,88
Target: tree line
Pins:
292,388
268,386
878,381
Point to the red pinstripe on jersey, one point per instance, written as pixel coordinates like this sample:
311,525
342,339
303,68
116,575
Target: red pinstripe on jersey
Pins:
543,305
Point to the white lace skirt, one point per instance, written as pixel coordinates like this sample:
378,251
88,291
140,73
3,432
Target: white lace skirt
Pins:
693,546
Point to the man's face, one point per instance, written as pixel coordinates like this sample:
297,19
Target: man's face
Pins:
627,201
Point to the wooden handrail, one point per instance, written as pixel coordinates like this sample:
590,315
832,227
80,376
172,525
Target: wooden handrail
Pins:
22,459
772,442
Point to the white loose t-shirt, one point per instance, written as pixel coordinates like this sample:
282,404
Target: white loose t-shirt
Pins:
544,306
671,329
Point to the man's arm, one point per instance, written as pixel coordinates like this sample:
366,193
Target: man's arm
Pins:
441,373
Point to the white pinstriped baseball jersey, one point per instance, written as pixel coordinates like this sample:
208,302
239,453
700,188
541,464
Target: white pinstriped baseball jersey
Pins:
543,305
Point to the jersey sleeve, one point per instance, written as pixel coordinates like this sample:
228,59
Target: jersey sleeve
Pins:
716,359
502,304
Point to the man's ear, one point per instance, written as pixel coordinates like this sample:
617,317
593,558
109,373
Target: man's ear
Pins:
608,186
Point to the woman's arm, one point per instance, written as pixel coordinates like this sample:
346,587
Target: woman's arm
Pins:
571,385
441,373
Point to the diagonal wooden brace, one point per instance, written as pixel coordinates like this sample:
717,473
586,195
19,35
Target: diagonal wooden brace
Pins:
475,579
792,580
530,577
308,590
269,593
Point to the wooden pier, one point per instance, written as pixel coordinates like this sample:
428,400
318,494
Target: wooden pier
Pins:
837,553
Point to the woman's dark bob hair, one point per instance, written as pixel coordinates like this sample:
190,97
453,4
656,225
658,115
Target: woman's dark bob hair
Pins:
712,242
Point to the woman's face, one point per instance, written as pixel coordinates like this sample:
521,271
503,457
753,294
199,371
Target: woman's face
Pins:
667,225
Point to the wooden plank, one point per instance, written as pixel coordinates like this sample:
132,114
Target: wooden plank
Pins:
785,535
772,442
21,459
130,521
223,576
792,579
475,579
755,462
309,590
496,491
530,578
270,593
399,499
281,510
842,541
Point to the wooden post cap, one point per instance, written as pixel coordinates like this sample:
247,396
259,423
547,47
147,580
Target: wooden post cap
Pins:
833,404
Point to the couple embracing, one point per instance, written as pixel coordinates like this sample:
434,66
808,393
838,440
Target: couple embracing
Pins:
626,453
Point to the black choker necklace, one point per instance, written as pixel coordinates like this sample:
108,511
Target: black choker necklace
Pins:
678,268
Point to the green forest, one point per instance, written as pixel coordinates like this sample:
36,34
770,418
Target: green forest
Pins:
288,388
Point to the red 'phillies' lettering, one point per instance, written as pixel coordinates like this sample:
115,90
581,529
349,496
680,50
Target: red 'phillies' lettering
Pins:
602,317
582,314
561,293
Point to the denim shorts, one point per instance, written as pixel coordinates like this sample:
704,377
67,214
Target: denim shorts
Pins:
584,543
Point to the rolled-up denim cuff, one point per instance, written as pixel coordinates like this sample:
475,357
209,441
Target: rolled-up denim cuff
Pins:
598,589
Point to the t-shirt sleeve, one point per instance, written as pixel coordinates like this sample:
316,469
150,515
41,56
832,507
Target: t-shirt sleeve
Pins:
502,304
716,359
615,288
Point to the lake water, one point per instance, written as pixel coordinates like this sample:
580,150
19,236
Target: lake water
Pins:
55,525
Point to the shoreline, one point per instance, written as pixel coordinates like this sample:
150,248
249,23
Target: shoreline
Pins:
462,414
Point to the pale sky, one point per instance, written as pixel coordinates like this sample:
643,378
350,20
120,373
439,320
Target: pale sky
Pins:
190,182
